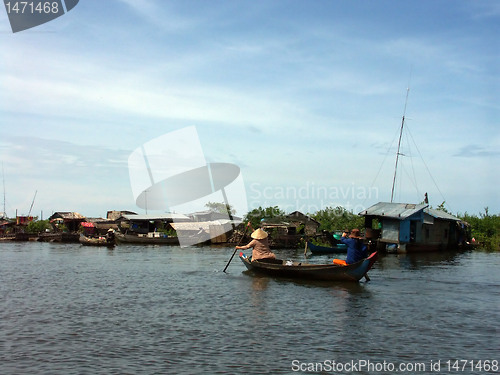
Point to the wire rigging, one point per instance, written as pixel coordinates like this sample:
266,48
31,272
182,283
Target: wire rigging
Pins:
389,150
408,152
428,170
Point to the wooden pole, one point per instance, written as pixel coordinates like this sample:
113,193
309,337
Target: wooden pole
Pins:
235,248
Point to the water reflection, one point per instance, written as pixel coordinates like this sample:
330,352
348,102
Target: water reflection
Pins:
416,261
262,281
259,283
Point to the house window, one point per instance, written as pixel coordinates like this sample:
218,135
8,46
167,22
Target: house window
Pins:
427,233
446,233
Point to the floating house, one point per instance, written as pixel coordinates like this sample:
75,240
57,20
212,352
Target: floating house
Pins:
149,229
406,227
66,227
304,224
98,226
71,220
116,215
144,224
24,220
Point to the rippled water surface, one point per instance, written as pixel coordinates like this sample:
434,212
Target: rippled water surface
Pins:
70,309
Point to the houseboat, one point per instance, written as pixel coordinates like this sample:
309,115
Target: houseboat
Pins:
406,227
149,229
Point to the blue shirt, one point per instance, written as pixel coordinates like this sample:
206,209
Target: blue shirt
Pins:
356,249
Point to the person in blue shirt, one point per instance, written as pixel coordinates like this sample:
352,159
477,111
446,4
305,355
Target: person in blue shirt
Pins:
356,249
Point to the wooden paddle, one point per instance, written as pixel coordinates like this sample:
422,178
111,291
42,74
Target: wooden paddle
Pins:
366,276
235,248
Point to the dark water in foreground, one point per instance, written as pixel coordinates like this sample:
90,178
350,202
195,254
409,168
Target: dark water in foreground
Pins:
69,309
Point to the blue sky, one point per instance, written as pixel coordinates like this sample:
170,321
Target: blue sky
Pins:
305,97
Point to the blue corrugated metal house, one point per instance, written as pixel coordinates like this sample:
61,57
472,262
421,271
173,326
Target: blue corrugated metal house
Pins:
411,227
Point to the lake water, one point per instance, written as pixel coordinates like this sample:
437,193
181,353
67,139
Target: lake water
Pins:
69,309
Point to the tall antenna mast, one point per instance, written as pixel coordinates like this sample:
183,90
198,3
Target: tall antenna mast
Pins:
3,175
399,145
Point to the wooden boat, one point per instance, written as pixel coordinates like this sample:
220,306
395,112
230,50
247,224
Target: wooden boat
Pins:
318,250
296,270
95,241
66,237
146,239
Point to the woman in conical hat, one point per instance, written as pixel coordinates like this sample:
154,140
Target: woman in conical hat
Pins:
260,245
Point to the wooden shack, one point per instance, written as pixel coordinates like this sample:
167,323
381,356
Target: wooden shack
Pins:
71,220
304,224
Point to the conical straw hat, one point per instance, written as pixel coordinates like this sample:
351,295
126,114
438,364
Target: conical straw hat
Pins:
259,234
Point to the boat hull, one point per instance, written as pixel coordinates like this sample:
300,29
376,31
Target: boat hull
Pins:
59,237
295,270
101,241
131,238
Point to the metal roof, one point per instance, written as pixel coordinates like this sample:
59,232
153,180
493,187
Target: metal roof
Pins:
398,211
205,225
439,214
169,216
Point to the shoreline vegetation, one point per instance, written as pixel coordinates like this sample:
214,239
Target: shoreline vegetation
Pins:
484,228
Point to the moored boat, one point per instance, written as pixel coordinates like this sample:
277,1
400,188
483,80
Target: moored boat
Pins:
298,270
318,250
65,237
149,239
96,241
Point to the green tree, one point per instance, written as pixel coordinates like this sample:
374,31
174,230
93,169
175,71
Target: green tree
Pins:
274,214
221,208
485,228
338,218
441,207
38,226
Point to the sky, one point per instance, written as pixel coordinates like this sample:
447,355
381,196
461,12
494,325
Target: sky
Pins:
306,98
